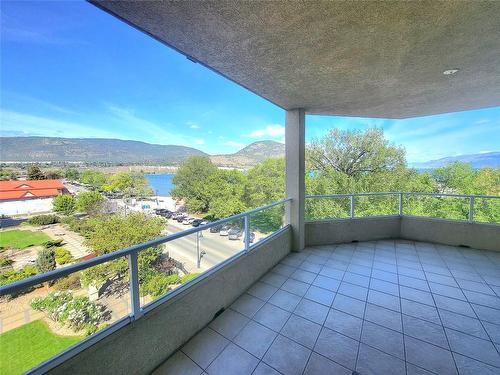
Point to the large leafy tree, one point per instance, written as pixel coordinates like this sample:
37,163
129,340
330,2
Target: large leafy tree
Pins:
35,173
93,178
354,152
108,233
266,182
132,184
191,182
64,204
226,189
89,202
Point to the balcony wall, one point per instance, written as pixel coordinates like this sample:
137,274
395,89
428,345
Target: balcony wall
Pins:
456,233
144,344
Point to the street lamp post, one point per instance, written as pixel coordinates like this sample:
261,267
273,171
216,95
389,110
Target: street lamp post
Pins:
199,253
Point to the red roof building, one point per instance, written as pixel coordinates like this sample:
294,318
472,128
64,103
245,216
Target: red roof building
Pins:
30,189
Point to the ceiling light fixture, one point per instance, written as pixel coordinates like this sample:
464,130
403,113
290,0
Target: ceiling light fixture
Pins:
450,72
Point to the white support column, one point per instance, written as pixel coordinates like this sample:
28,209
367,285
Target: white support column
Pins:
295,169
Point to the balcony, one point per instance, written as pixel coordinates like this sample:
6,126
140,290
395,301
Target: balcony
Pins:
366,294
337,290
377,307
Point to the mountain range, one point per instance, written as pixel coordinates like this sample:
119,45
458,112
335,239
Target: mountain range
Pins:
54,149
44,149
486,159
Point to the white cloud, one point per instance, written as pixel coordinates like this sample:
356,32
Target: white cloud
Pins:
192,125
199,141
48,127
273,131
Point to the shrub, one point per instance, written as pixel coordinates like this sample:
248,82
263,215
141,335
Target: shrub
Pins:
4,261
53,243
63,256
188,277
159,284
64,204
45,261
71,282
43,220
12,275
76,312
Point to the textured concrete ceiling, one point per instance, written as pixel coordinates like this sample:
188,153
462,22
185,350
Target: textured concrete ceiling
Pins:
355,58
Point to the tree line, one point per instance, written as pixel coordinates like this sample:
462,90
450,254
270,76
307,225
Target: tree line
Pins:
340,162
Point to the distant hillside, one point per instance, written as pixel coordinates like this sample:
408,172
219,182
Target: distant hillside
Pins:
250,155
44,149
91,150
489,159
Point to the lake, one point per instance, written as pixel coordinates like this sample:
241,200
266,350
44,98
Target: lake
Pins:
161,183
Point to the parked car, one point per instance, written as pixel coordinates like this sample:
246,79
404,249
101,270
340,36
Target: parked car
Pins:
181,217
204,222
215,229
196,222
234,233
224,231
188,220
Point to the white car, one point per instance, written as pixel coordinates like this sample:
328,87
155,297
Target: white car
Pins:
224,231
187,221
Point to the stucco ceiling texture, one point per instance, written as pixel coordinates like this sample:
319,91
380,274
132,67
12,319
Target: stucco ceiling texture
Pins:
355,58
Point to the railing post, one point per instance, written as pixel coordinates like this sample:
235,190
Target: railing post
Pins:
352,206
247,232
133,271
400,204
471,209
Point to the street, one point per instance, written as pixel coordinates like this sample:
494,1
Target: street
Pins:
217,248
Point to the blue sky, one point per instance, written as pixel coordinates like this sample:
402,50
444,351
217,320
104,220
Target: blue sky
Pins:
70,70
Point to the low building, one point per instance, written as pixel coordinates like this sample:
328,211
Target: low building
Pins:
19,197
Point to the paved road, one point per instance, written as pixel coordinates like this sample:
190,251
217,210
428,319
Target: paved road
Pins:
217,248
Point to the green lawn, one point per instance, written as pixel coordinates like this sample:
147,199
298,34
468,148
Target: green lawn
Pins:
21,239
27,346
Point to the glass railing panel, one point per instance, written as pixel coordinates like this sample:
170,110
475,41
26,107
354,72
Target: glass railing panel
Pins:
487,210
178,261
327,208
40,322
435,206
266,222
376,205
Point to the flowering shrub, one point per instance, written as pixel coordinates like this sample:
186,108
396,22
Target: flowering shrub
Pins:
73,311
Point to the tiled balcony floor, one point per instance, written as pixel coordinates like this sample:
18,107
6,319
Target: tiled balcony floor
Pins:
381,307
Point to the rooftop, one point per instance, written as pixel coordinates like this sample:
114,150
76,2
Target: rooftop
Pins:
30,189
378,307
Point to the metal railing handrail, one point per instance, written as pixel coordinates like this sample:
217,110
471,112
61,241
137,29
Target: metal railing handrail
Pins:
352,204
131,251
346,195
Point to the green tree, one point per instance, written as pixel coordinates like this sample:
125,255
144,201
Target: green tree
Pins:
89,202
35,173
108,233
7,174
266,182
65,204
131,184
354,152
191,182
53,175
226,190
92,178
72,174
45,261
